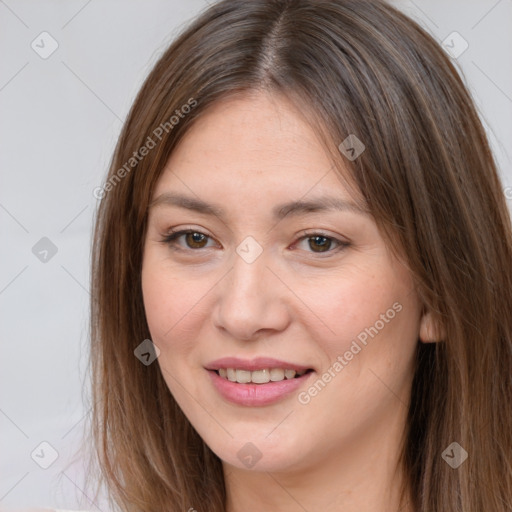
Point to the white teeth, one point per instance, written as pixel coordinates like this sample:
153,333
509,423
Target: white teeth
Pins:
258,376
243,376
276,374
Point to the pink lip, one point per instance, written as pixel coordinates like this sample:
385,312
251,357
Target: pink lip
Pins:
254,395
258,363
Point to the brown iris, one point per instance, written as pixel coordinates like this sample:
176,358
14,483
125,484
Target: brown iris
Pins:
195,239
323,243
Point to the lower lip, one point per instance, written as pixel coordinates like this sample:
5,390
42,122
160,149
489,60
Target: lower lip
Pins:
253,395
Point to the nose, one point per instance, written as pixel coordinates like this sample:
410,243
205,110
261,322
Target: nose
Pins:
252,301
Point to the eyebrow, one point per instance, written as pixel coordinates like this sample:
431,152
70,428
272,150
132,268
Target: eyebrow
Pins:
294,208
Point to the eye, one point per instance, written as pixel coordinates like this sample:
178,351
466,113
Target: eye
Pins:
193,239
317,242
322,243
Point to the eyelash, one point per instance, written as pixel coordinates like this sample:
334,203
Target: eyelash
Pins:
171,238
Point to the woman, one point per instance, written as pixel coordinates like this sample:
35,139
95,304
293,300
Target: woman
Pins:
302,275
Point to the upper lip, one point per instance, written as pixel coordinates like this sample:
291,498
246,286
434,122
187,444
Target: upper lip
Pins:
257,363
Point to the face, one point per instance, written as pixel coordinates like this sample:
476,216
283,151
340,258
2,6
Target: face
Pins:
235,266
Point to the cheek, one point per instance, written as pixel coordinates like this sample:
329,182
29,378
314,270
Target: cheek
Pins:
376,309
346,303
174,304
159,295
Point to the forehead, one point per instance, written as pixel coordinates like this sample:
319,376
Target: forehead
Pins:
256,132
251,148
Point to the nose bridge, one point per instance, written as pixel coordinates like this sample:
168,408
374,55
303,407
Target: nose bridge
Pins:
248,301
248,277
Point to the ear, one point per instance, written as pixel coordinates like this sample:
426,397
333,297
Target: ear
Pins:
430,330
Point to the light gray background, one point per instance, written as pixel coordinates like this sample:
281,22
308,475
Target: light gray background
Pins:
59,121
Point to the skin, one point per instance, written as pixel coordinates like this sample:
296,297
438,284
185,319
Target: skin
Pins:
294,302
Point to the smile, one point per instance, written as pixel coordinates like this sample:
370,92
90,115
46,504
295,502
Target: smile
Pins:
259,376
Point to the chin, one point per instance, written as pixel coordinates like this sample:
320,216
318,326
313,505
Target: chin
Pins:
260,456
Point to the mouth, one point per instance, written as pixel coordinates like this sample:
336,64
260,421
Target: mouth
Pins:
258,388
257,382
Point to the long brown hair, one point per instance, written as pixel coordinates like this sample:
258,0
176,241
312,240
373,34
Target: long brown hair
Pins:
427,174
